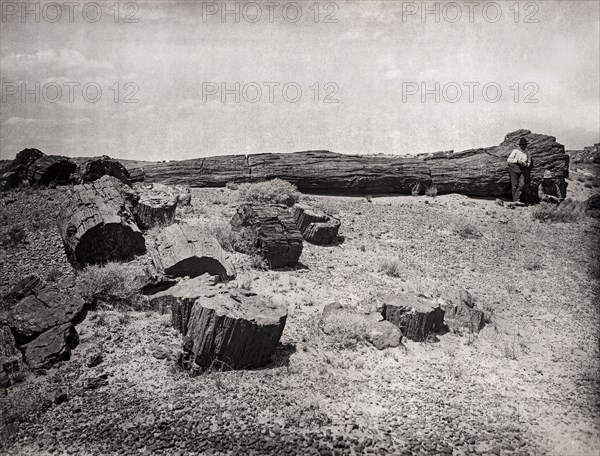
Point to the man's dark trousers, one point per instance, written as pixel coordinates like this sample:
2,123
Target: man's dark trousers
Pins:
517,180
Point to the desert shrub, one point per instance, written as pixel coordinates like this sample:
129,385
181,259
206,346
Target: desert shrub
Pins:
345,330
391,266
466,230
566,212
275,191
14,236
431,190
114,283
258,262
232,185
232,241
533,264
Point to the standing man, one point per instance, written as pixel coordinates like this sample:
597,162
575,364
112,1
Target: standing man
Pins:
519,168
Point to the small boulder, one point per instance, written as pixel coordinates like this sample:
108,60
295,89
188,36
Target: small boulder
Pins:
417,316
384,334
95,382
51,347
316,226
9,180
460,312
156,206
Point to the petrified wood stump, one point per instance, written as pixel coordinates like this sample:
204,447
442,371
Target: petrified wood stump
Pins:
180,298
316,226
233,330
416,316
460,312
184,250
97,225
276,235
156,206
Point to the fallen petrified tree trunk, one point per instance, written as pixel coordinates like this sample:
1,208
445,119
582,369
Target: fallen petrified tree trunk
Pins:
51,347
416,316
97,225
186,251
316,226
476,172
275,234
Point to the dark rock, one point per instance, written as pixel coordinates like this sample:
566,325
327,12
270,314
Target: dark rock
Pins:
592,205
184,196
93,169
183,250
95,382
25,159
9,180
316,226
98,225
26,286
51,347
42,309
58,396
416,316
274,233
94,359
460,311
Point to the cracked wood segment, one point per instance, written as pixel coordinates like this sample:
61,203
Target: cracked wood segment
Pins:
97,224
156,206
11,359
416,316
477,172
50,169
93,169
185,250
316,226
276,235
239,330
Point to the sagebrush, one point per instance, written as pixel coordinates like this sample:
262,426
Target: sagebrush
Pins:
116,284
568,211
275,191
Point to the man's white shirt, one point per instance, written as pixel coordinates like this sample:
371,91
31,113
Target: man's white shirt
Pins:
518,156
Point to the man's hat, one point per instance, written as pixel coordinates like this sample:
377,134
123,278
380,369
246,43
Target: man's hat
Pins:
522,142
547,174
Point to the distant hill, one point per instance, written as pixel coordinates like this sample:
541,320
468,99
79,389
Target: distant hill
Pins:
587,155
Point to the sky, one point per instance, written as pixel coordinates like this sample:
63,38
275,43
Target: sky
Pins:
169,80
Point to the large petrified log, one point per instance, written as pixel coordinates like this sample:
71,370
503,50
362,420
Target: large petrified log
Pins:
235,330
50,169
97,225
183,250
156,206
136,174
93,169
476,172
274,231
316,226
416,316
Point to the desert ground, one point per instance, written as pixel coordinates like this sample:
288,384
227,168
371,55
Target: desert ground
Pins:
527,384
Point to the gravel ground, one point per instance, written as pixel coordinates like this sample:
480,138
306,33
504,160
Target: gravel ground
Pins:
528,384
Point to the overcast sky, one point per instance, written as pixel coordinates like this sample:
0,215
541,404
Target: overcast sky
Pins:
368,56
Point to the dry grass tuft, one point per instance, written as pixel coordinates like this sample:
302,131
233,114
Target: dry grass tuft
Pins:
391,266
466,230
113,283
275,191
568,211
